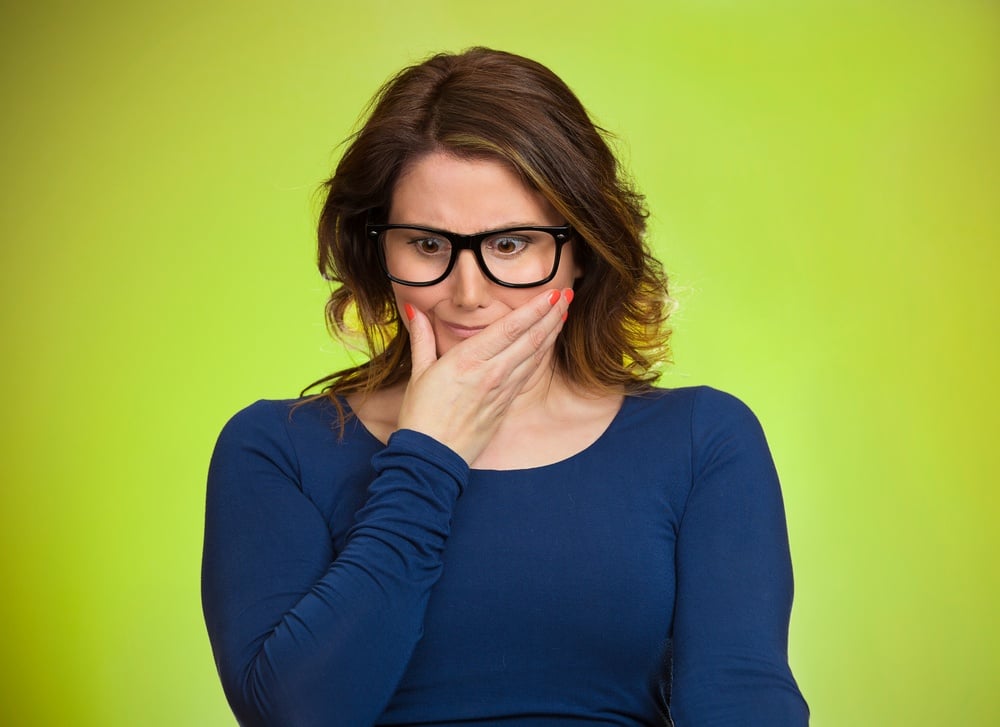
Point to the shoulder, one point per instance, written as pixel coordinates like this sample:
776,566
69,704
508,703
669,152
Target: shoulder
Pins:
700,406
263,413
275,428
267,416
275,449
713,410
709,420
725,435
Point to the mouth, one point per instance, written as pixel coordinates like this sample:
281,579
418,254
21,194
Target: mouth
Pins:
460,331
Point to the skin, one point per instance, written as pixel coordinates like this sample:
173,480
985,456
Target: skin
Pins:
483,380
468,196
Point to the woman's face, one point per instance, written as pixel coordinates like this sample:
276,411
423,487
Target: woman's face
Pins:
467,196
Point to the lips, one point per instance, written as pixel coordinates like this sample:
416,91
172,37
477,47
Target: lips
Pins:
460,331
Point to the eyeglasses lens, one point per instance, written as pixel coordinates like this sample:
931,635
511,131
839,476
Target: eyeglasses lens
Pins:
518,257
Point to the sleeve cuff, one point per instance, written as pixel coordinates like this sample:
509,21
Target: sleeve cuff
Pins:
408,441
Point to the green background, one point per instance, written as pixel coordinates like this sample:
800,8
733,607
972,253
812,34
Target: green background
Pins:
824,185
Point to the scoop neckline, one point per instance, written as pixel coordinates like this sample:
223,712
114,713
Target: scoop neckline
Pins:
477,471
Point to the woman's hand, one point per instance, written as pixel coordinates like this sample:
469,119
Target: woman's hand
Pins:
461,398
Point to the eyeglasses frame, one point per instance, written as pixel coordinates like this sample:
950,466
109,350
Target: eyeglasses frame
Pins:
560,233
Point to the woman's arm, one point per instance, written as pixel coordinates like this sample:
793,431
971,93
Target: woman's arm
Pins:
303,635
306,636
734,579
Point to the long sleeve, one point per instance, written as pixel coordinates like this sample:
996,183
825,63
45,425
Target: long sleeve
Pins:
304,635
734,579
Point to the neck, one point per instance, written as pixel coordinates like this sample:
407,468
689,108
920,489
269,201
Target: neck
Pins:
544,384
549,420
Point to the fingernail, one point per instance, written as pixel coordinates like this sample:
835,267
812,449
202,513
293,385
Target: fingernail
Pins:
408,310
568,294
554,297
565,315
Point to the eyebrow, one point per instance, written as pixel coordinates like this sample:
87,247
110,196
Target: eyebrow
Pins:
504,226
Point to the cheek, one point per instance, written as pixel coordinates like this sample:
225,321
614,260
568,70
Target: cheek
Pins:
422,299
571,267
512,298
401,301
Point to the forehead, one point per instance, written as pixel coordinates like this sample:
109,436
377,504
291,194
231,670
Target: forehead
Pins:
466,195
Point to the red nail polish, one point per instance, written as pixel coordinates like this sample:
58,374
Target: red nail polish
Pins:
408,310
553,297
568,294
565,315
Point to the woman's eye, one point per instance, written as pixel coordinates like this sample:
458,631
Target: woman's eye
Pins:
429,245
507,245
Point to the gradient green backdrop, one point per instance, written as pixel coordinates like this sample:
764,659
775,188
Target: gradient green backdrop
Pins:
824,185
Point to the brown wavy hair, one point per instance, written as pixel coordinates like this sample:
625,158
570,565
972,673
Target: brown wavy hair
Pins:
485,103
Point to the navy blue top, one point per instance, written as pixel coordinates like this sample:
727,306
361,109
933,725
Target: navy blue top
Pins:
346,582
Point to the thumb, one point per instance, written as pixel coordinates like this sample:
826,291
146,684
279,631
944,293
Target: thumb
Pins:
423,347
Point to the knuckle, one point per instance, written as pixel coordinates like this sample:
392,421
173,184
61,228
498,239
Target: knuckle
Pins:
511,330
465,366
479,355
537,338
538,358
493,378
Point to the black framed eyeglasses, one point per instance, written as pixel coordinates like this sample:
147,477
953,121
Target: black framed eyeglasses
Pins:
515,257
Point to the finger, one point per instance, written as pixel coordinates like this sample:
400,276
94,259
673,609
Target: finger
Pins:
423,347
525,360
500,335
537,340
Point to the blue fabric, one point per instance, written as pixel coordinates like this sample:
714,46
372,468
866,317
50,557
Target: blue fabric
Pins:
350,583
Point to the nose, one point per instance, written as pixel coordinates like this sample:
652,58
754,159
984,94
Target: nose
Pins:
470,288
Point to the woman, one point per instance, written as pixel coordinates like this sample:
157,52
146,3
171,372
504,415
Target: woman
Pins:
496,519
